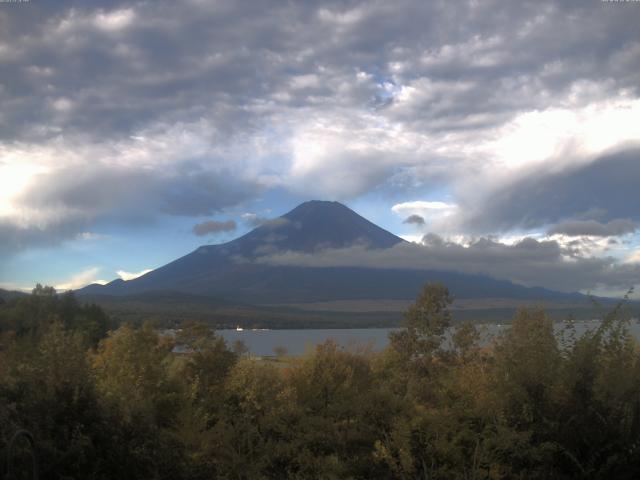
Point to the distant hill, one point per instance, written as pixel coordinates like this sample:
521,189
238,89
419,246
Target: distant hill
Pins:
229,271
9,294
170,309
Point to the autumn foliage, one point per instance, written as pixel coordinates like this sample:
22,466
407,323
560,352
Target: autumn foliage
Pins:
105,402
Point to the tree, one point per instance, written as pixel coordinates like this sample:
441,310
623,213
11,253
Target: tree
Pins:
32,315
142,399
342,412
130,368
465,340
415,357
47,389
425,322
239,348
209,360
43,291
248,437
527,365
600,408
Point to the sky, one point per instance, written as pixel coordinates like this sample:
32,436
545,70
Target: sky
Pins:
500,137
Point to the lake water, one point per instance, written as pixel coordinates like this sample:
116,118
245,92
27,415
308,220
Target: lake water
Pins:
297,342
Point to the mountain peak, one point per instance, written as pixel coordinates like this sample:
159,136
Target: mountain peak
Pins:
312,226
313,208
318,204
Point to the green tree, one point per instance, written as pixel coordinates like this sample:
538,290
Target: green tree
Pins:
527,388
343,412
527,359
465,340
251,432
132,369
425,323
31,315
208,362
47,389
43,291
131,373
600,410
415,359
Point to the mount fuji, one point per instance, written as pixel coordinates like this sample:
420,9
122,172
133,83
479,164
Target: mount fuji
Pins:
232,271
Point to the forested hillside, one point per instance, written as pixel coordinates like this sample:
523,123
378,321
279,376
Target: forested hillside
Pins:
105,401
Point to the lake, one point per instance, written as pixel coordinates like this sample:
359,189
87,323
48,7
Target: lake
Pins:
297,342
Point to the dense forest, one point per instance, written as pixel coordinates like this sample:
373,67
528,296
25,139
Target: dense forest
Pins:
108,401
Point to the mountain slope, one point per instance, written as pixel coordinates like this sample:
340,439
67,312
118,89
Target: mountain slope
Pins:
229,270
7,295
309,227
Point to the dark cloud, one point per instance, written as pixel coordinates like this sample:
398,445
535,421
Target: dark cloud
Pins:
414,220
110,71
575,228
136,192
202,193
529,262
223,96
14,238
213,226
605,188
70,200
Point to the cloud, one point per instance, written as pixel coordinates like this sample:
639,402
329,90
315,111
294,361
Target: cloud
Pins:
16,236
414,220
115,20
64,203
128,113
418,205
89,236
602,189
436,214
634,257
14,287
131,275
183,188
613,228
274,223
528,262
255,220
81,279
213,226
